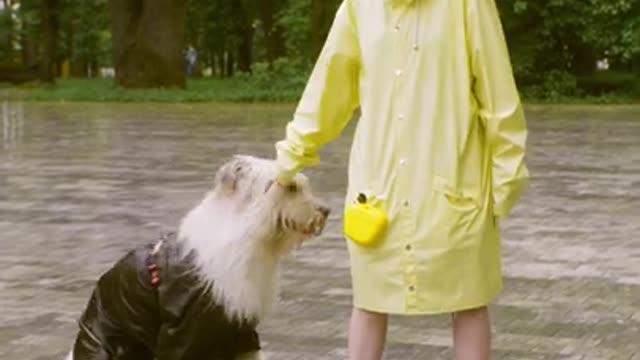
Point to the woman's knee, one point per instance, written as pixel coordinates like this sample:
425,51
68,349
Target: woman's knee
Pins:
369,317
369,313
482,311
477,310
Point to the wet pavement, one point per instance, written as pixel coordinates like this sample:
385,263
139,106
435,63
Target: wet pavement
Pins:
81,183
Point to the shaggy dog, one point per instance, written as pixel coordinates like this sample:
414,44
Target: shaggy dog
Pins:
199,295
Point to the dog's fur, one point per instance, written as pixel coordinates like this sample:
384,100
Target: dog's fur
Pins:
241,231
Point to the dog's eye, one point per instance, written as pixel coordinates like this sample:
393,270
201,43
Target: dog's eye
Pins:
268,186
292,188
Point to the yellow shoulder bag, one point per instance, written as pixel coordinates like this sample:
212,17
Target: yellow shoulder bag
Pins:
364,222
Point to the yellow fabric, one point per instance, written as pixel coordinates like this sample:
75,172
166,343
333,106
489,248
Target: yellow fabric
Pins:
440,143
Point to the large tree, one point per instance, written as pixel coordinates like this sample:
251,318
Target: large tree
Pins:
148,42
49,27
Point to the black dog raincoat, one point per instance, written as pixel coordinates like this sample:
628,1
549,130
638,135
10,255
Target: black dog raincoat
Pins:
151,305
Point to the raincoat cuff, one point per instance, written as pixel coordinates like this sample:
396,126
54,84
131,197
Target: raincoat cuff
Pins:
285,174
507,195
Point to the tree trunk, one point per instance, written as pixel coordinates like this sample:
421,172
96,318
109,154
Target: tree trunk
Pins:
77,64
29,39
49,27
70,40
8,8
221,63
93,69
230,64
274,36
80,67
243,29
212,62
29,44
584,60
245,50
322,14
148,42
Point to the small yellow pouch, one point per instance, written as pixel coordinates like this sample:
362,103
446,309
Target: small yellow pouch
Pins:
364,223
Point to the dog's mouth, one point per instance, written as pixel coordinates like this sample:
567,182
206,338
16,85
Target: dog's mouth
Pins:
313,227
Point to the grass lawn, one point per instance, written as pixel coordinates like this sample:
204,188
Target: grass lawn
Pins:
234,90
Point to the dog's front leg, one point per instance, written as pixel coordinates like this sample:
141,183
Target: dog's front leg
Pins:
257,355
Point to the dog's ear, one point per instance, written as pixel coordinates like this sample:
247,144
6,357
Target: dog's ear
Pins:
230,173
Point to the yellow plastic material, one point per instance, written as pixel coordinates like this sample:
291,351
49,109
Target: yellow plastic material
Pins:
364,223
447,108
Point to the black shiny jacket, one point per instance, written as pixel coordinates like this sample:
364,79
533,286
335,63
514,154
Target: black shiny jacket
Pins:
131,316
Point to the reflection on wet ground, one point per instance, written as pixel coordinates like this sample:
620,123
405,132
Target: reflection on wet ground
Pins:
80,183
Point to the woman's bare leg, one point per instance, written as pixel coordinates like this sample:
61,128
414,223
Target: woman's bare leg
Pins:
367,335
472,334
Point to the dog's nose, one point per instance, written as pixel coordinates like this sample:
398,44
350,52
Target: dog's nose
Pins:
324,210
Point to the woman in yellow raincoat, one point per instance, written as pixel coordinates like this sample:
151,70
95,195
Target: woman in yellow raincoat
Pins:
440,144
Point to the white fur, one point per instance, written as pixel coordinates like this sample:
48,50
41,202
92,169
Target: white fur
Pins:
238,265
240,232
237,237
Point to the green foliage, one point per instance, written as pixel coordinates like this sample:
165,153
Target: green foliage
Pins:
554,86
92,40
6,24
216,27
240,89
554,42
604,82
244,89
83,34
16,21
282,80
295,18
265,49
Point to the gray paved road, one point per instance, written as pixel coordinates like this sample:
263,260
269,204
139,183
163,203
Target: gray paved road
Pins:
81,183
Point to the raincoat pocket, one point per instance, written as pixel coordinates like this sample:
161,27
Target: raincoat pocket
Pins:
457,199
455,214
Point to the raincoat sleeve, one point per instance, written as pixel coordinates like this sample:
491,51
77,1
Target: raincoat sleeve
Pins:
328,100
499,104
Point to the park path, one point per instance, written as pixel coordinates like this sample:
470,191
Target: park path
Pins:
80,183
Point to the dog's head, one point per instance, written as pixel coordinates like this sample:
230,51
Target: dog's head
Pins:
247,184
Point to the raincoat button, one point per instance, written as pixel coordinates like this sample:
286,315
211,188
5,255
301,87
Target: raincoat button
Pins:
406,203
400,117
412,288
398,72
408,247
403,162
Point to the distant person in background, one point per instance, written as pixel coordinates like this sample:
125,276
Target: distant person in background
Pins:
191,58
440,145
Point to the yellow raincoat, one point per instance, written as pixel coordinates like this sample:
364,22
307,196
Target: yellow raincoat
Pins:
440,145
